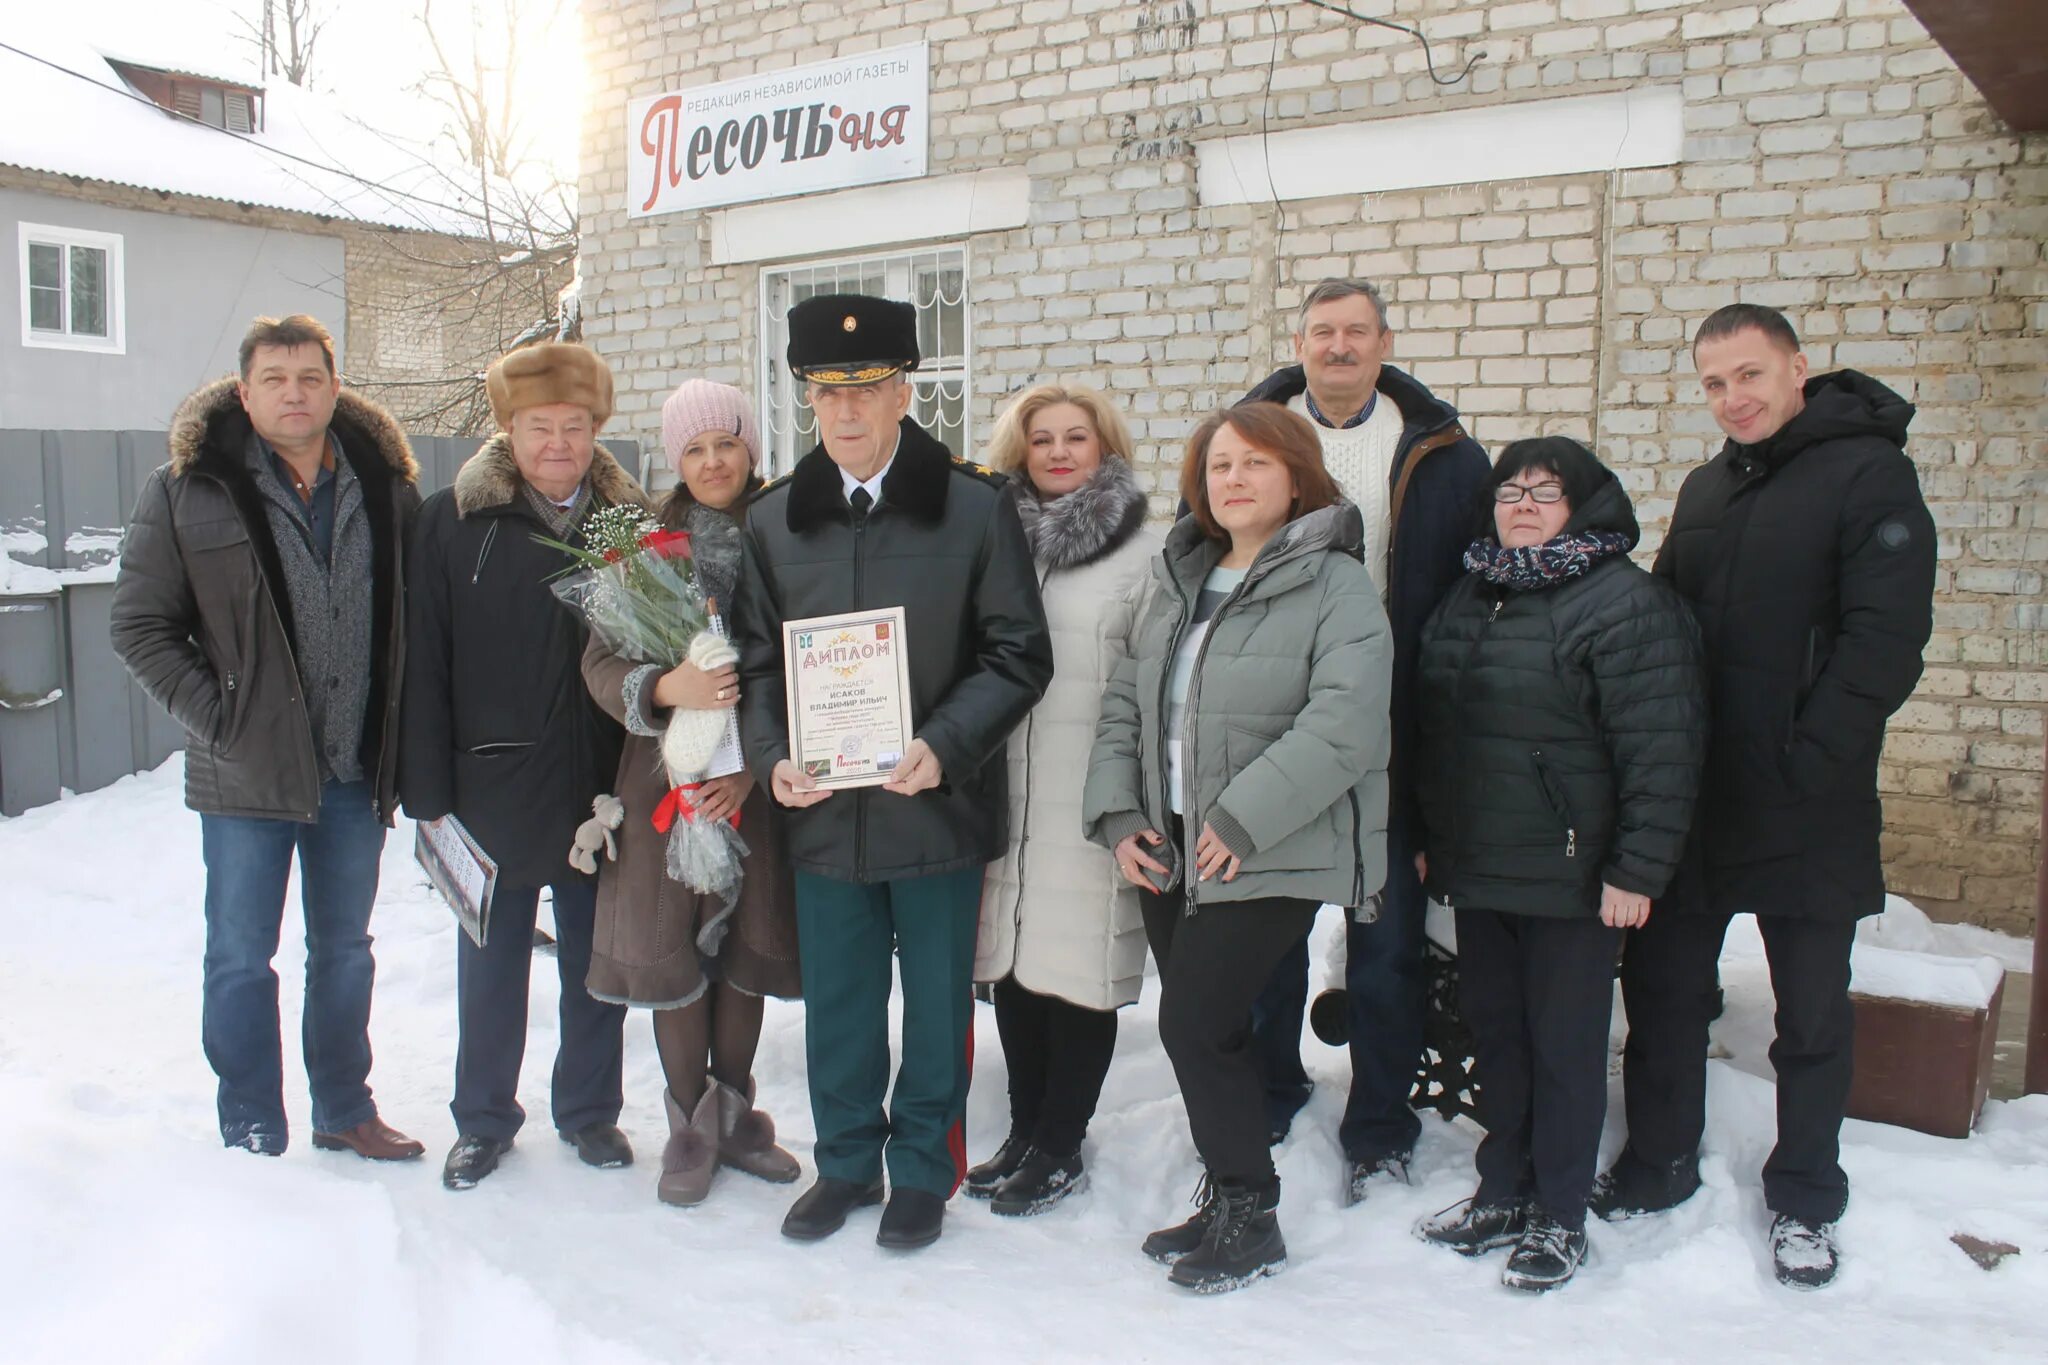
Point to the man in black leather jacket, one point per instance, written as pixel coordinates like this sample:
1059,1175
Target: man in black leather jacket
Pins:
881,515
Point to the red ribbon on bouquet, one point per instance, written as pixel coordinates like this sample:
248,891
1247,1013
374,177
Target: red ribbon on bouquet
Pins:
677,802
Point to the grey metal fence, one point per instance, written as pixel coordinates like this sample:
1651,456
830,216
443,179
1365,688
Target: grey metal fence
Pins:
70,719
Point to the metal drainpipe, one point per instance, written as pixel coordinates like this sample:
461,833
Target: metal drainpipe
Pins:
2037,1008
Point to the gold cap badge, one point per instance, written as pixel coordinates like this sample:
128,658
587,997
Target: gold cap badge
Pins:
849,323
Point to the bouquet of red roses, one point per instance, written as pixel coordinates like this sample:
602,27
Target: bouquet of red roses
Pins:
635,585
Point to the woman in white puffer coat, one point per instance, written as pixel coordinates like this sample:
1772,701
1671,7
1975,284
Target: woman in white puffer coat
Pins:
1061,941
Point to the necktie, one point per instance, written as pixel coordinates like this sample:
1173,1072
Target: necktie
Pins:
861,501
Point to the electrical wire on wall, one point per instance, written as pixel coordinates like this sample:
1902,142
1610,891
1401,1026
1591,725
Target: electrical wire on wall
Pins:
1428,58
1274,22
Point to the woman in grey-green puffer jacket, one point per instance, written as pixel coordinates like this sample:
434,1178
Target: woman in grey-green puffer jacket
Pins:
1289,739
1239,778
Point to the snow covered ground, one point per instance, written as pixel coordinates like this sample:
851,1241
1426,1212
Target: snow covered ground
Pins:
131,1235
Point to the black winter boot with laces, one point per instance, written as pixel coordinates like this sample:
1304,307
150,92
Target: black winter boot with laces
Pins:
1548,1255
1473,1229
1242,1243
1170,1244
1803,1254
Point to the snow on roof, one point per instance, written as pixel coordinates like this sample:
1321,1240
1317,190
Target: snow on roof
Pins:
210,67
311,156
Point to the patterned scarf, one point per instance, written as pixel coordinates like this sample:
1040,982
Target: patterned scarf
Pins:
560,521
1532,568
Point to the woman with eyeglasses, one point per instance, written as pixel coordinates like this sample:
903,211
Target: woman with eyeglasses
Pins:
1564,725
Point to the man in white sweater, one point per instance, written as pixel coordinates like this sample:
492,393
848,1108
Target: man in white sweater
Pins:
1402,456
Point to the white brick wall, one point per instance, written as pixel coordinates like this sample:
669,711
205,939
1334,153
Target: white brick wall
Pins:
1835,165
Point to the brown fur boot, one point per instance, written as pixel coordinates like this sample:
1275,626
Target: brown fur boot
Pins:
691,1157
746,1137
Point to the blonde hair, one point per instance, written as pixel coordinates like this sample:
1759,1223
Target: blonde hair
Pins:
1007,447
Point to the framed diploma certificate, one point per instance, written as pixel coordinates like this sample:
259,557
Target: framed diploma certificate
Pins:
848,682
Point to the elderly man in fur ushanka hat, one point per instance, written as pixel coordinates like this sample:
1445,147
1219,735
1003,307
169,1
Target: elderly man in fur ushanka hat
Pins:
500,732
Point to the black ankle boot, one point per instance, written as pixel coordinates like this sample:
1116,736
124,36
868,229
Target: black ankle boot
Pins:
1632,1187
1041,1182
982,1180
1170,1244
1242,1243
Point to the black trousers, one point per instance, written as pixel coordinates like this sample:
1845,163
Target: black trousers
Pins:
491,985
1670,988
1537,994
1058,1054
1212,966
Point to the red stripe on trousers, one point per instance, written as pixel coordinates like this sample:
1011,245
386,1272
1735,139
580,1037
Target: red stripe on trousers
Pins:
956,1136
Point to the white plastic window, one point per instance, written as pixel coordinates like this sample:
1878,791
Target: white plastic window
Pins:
71,289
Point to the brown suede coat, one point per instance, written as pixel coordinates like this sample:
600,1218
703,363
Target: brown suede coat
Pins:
658,943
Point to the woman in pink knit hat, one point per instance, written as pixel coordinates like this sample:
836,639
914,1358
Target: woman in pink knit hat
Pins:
701,966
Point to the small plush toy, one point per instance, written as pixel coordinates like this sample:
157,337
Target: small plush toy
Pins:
608,813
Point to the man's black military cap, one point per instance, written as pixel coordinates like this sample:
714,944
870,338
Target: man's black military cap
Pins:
851,339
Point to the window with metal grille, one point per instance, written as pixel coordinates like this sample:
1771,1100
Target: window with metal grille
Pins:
934,282
71,289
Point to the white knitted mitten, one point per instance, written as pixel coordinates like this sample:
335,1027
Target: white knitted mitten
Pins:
691,738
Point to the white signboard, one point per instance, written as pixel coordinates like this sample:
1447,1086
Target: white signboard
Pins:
856,121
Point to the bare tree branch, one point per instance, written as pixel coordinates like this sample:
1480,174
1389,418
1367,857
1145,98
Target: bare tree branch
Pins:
303,25
470,300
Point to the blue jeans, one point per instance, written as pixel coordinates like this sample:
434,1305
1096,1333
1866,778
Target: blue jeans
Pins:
248,867
491,988
1386,987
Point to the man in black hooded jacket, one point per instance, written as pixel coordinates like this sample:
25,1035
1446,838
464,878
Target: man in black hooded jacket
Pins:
1808,554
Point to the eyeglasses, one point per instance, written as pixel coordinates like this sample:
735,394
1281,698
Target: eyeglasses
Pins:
1508,494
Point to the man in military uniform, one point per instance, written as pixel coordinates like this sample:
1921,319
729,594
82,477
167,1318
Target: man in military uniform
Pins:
881,515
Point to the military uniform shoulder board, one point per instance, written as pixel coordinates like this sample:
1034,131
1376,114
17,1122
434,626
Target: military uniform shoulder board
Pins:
982,470
774,483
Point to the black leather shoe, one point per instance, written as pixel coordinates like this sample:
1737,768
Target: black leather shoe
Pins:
821,1210
912,1220
471,1159
601,1144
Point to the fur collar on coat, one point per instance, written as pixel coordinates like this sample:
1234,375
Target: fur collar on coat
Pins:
490,478
1087,524
915,484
